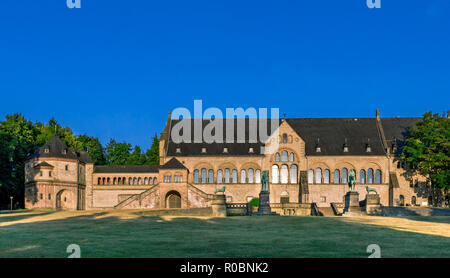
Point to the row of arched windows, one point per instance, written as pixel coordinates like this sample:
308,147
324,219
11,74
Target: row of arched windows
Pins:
284,157
227,176
284,174
319,176
128,181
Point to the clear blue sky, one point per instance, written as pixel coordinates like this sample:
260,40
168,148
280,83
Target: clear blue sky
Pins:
114,68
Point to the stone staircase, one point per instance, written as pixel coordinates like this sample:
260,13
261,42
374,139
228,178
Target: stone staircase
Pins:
136,197
326,211
201,193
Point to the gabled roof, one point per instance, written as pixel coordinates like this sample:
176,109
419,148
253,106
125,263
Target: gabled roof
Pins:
126,169
396,130
56,148
43,165
173,164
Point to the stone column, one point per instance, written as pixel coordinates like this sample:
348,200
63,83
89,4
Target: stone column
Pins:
352,207
264,203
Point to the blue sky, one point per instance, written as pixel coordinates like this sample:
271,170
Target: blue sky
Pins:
113,69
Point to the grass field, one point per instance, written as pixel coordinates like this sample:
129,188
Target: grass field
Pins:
132,234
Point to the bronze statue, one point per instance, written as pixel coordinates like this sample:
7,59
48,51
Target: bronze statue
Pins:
352,180
265,181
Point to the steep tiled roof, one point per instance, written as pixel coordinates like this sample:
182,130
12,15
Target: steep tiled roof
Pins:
331,133
56,148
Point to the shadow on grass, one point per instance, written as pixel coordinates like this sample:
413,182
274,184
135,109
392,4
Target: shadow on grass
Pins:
16,217
240,237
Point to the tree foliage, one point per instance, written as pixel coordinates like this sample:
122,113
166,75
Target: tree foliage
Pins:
426,149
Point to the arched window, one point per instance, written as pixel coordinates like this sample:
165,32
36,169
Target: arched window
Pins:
219,176
114,180
150,180
370,176
284,156
243,176
211,176
284,173
234,176
227,175
402,200
130,181
155,181
378,176
251,178
99,181
139,181
203,175
344,177
135,180
326,176
124,180
318,175
291,157
275,174
310,176
196,176
285,138
258,176
362,176
294,174
108,181
277,157
336,176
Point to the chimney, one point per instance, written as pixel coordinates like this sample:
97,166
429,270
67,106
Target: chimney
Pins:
378,113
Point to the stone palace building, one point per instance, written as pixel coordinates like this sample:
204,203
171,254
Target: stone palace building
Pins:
311,164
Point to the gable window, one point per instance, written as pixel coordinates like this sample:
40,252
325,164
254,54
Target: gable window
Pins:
67,167
178,150
211,176
336,176
196,176
294,174
291,157
203,175
370,176
310,176
219,176
40,173
250,176
250,150
344,177
326,176
277,157
243,176
203,150
362,177
234,176
284,173
49,173
46,150
258,176
227,175
42,196
225,150
318,175
377,176
284,138
275,174
284,156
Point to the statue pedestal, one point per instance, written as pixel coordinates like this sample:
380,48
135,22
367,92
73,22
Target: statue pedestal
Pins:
352,207
219,207
373,204
264,203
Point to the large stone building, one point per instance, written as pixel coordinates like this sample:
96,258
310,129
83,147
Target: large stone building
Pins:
308,160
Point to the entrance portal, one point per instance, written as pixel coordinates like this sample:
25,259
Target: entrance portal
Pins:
62,199
173,200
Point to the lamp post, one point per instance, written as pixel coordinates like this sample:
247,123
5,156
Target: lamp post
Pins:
11,201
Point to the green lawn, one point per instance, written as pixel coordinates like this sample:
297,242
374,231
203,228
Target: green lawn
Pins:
129,234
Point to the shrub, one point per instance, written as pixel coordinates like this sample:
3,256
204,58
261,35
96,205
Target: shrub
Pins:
254,202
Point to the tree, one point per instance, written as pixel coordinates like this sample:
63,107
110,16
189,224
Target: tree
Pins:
53,128
17,140
93,146
117,153
136,157
152,154
426,150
